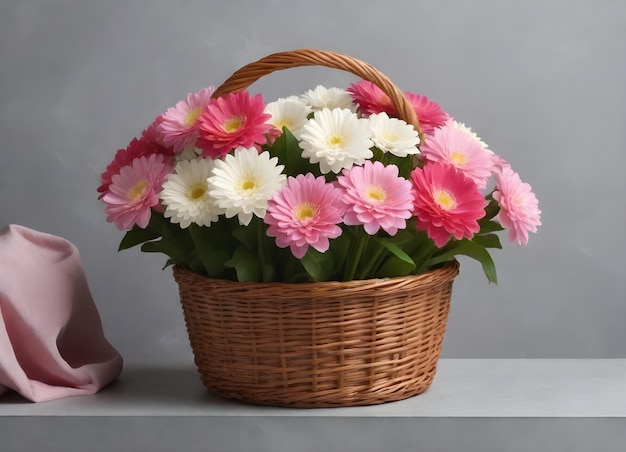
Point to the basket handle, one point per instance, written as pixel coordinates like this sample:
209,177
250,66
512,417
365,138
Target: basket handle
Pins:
250,73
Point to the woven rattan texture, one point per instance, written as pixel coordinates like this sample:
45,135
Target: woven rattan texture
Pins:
250,73
317,344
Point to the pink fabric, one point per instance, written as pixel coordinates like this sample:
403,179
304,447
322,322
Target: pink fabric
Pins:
51,340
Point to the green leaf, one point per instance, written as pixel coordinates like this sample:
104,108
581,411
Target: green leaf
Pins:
169,248
246,236
137,236
320,266
246,265
404,164
470,249
488,240
398,263
489,226
289,154
212,248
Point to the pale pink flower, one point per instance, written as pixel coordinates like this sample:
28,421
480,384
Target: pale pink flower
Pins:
459,148
135,191
179,124
446,203
371,99
306,212
519,207
233,120
376,197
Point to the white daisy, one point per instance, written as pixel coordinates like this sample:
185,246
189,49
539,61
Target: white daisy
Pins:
322,97
185,194
290,112
243,183
393,135
336,139
468,130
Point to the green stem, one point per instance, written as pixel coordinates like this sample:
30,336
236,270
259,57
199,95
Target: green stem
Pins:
261,246
363,239
366,272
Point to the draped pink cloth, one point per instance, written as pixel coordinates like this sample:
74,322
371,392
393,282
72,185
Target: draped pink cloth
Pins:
52,343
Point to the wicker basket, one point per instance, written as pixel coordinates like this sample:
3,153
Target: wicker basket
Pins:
324,344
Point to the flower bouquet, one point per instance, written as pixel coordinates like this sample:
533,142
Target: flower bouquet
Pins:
296,224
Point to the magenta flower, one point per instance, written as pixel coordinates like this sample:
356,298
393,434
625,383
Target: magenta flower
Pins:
376,197
135,191
519,208
232,120
458,147
371,99
179,124
306,212
429,113
446,203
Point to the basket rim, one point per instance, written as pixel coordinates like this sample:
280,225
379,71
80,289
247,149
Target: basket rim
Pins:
449,269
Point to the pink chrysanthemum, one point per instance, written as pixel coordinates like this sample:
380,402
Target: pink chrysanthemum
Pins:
519,208
232,120
154,140
429,113
179,124
371,99
376,197
306,212
459,148
148,144
446,203
135,191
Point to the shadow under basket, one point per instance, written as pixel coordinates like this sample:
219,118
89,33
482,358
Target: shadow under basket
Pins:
328,344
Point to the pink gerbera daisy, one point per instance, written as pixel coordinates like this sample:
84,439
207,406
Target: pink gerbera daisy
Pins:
460,148
232,120
370,98
376,197
148,144
446,203
135,190
306,212
179,125
429,113
519,208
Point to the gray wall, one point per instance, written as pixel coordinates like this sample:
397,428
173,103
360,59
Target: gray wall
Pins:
542,81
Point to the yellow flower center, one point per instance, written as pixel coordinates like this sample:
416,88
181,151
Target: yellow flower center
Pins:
375,193
304,211
247,185
196,192
444,200
389,137
335,141
137,190
458,158
284,123
232,124
191,117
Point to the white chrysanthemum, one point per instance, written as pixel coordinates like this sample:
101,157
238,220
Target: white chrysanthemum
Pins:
243,183
322,97
290,112
393,135
189,153
185,194
336,139
468,130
